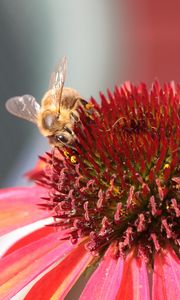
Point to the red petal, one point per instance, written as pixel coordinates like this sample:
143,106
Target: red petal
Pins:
134,284
18,207
57,283
105,281
22,266
166,276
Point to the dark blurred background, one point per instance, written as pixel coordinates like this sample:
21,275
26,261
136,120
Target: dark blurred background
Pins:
106,42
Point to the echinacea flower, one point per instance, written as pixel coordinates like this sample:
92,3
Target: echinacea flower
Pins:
109,206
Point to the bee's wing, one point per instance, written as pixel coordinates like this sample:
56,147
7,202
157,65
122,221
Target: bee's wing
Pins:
24,107
57,82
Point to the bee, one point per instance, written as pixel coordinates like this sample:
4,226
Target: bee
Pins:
58,112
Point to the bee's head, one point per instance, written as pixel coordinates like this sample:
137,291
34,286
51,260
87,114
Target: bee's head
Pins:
57,128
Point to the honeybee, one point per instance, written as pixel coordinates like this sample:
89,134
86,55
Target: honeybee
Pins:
58,112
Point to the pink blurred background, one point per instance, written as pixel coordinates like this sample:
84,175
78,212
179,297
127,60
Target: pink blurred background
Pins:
152,40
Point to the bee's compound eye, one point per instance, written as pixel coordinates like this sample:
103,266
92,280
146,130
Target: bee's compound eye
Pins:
61,138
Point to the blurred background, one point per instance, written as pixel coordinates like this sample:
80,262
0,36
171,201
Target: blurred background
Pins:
106,42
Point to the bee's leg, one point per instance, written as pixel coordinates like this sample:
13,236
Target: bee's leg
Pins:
83,102
80,102
74,116
86,106
67,129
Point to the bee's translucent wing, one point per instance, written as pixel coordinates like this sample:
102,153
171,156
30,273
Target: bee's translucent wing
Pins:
57,82
24,107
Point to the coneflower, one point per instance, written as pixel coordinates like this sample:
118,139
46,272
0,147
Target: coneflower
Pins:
114,199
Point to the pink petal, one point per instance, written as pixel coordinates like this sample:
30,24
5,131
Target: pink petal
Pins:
23,265
57,283
8,240
30,238
19,207
104,282
134,284
166,276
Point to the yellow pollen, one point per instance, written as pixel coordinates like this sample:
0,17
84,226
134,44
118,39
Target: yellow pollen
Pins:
73,159
116,190
166,166
89,105
66,154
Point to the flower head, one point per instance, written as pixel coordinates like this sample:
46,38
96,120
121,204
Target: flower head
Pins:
115,197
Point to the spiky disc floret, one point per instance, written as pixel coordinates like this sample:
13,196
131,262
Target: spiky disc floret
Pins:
121,182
